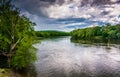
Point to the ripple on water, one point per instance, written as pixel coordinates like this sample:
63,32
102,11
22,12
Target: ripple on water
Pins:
61,58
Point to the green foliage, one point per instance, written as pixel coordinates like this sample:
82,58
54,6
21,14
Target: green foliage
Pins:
104,32
25,53
118,35
51,33
17,36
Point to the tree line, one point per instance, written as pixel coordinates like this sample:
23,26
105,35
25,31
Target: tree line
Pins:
107,31
51,33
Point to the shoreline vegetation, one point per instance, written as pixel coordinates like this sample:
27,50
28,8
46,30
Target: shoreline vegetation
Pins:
97,34
51,33
17,36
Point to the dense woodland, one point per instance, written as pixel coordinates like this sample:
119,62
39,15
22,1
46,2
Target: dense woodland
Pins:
104,32
51,33
17,37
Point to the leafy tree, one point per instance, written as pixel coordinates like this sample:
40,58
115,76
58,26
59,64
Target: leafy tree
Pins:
105,32
17,36
118,35
112,34
89,33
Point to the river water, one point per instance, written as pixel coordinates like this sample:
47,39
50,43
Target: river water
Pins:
59,57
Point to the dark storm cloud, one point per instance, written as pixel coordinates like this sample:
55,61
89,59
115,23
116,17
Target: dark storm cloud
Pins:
98,2
33,6
48,0
72,19
39,6
105,13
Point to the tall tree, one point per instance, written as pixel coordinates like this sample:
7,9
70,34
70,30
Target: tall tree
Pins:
16,36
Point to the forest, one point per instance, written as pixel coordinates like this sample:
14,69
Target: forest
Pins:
107,31
51,33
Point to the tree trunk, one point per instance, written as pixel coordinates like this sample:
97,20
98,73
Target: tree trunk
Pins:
13,73
9,59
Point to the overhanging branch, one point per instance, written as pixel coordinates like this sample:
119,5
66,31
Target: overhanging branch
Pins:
3,53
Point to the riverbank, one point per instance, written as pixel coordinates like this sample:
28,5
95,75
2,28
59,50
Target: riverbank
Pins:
107,32
4,72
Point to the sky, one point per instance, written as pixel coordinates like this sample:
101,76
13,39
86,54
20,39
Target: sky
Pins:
67,15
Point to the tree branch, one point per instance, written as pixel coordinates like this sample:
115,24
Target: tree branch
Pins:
3,53
9,33
16,43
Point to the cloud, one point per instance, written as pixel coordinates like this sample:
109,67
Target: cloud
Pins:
56,14
70,20
59,8
75,25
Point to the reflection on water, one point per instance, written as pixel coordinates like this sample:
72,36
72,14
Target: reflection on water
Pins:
61,58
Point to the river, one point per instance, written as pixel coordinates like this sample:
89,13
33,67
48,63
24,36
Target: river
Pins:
59,57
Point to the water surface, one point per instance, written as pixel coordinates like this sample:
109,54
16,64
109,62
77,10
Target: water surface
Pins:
59,57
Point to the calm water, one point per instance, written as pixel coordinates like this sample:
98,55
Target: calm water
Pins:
59,57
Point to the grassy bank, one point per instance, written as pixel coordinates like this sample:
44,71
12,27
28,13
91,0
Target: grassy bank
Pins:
4,72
